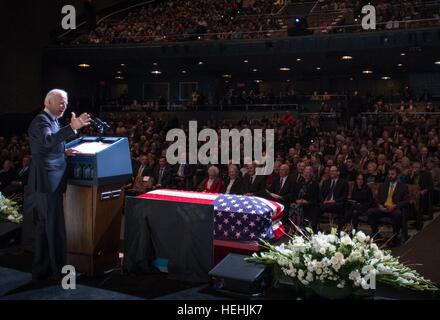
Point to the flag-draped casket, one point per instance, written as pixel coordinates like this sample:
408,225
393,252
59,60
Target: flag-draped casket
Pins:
236,217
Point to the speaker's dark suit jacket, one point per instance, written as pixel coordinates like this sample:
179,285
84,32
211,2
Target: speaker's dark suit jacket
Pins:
46,184
47,143
258,188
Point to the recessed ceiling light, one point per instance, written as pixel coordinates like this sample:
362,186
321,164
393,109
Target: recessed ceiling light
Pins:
246,61
367,71
157,72
346,57
318,68
119,78
284,69
226,81
298,59
437,62
184,71
84,65
200,63
403,54
122,64
386,78
154,63
400,65
255,70
258,81
351,78
226,76
118,72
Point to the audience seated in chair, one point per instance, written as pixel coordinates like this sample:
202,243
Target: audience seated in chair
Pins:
334,193
392,199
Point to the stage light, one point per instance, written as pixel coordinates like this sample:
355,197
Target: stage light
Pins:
403,54
154,63
255,70
284,69
258,81
318,68
156,72
367,71
400,65
437,63
386,78
298,59
118,72
227,76
245,61
200,63
183,71
119,78
84,65
122,64
346,57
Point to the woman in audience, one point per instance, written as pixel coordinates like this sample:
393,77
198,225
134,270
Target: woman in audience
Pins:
372,175
361,200
212,183
233,184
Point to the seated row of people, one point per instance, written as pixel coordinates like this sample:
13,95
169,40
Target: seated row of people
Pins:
300,190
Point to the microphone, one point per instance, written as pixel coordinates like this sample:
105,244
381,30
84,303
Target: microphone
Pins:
99,125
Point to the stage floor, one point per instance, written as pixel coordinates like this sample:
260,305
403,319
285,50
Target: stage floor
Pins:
15,278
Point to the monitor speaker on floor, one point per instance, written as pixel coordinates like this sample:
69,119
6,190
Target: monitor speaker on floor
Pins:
235,276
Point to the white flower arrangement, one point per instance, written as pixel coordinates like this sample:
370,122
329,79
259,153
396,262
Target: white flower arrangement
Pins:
340,260
10,210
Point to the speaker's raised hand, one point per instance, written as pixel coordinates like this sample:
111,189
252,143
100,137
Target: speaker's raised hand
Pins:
78,122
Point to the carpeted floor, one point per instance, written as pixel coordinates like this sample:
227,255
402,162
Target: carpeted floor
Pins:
11,279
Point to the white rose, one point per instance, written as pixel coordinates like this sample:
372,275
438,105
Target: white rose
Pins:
360,236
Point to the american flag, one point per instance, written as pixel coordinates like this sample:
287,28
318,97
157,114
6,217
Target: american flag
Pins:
243,218
236,218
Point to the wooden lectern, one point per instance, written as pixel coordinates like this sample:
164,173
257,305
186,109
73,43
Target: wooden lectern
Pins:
94,201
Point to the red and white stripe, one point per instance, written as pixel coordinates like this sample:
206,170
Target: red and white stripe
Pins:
180,196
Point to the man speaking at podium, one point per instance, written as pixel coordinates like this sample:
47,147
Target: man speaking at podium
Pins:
47,182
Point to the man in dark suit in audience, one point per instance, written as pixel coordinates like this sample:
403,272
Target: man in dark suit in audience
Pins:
184,174
423,179
234,183
253,185
163,174
20,178
392,198
282,190
334,193
47,182
141,169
